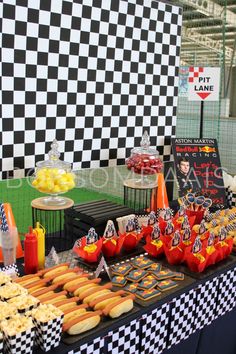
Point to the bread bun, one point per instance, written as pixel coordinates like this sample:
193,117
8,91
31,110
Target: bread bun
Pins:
49,272
44,290
119,307
105,297
50,299
73,314
75,281
76,288
82,323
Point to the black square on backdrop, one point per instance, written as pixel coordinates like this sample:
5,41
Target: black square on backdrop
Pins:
20,28
93,51
7,151
40,136
40,110
80,111
9,11
52,72
95,155
123,122
7,97
33,15
116,88
43,31
121,142
71,98
147,110
54,46
42,58
55,19
69,145
19,162
105,144
90,98
62,85
89,122
87,145
97,133
19,84
29,123
103,163
112,154
98,110
61,110
79,134
51,123
70,122
65,34
63,60
7,69
29,149
119,42
83,62
30,97
131,110
73,74
66,7
7,124
19,137
106,122
41,84
45,5
138,121
31,43
19,110
130,131
101,64
51,97
60,134
114,132
19,56
94,26
76,23
77,156
99,87
31,70
7,40
84,37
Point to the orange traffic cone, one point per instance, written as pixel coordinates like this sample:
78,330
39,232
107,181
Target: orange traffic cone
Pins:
162,199
11,222
159,200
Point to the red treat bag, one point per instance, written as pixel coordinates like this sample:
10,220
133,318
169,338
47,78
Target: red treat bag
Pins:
224,248
132,236
89,247
211,251
111,243
187,237
197,214
154,243
147,229
174,253
196,257
168,232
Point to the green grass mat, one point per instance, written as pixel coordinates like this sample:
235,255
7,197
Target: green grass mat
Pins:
19,194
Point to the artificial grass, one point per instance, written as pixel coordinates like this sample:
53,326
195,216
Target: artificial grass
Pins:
19,193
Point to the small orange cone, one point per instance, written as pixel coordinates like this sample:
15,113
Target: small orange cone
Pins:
162,199
11,222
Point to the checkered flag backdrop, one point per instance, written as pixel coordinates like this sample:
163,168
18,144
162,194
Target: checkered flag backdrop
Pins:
230,197
125,340
183,312
94,347
227,292
155,330
84,72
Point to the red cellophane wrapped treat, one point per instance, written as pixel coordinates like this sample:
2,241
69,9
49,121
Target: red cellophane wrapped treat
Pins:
89,247
132,235
211,250
111,243
196,258
154,242
168,232
224,244
174,253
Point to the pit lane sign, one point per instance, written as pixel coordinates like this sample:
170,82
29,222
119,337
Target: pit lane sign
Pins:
203,84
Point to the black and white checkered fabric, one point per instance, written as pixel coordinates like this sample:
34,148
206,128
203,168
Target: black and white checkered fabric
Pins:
21,343
11,269
83,72
94,347
155,330
183,312
230,197
1,345
48,335
207,295
227,292
125,340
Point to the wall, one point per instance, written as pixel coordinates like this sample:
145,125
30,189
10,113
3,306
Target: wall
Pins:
94,74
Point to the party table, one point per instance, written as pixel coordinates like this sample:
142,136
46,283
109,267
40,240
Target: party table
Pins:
182,322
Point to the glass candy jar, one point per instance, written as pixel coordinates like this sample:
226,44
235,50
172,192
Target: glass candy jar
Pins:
144,160
53,177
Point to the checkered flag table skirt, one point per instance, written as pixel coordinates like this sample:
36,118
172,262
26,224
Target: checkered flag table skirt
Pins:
183,309
94,347
206,303
155,330
230,197
125,340
227,292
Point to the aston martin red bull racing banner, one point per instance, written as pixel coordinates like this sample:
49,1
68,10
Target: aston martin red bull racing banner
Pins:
198,167
203,84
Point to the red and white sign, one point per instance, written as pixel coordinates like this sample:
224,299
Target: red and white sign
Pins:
203,84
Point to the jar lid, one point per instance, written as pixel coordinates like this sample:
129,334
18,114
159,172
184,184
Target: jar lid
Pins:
54,160
145,146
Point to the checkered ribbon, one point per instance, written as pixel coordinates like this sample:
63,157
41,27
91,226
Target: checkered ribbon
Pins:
4,224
